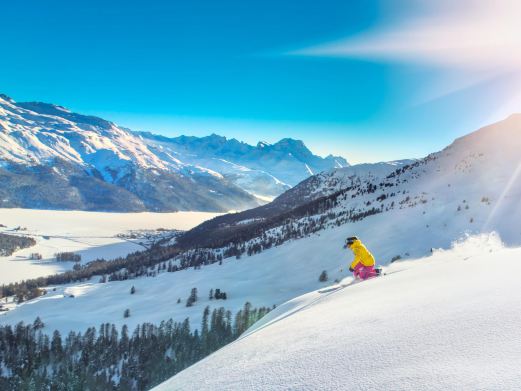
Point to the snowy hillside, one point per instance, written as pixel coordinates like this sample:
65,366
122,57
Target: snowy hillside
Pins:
450,321
472,185
332,181
265,279
51,158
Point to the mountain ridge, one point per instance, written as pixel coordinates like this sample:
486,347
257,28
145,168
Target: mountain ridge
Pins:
144,167
481,162
289,160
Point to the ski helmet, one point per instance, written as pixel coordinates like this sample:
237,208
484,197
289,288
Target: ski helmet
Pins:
350,240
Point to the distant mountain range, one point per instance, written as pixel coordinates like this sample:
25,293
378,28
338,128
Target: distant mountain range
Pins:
469,187
51,157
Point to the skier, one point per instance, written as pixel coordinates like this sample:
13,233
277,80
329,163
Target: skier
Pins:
363,265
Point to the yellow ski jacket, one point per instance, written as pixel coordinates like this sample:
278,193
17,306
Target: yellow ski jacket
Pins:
362,255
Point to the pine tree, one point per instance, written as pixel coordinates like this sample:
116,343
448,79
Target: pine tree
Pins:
124,340
204,330
126,314
193,297
323,276
56,345
132,290
38,324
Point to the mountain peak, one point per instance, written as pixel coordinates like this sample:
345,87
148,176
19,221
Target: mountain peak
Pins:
60,111
6,98
296,147
291,142
216,138
44,108
263,144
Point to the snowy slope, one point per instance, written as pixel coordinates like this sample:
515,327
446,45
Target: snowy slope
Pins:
474,184
450,321
271,277
331,181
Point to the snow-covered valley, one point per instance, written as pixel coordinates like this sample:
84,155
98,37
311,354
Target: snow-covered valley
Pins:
91,235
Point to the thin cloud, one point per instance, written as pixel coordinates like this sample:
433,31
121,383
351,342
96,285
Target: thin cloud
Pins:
480,35
472,42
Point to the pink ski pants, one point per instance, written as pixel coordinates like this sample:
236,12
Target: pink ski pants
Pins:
364,272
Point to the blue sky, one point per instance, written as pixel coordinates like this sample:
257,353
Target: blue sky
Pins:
354,78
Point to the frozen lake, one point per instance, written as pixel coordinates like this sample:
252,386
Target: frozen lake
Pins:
90,234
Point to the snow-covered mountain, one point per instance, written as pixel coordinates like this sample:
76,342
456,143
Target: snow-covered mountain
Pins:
447,322
332,181
51,157
472,185
266,170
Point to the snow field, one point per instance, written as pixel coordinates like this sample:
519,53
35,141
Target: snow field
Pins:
90,234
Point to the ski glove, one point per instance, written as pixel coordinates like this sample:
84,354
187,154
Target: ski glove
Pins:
351,269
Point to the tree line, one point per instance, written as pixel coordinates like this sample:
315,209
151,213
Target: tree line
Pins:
11,243
135,264
111,359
